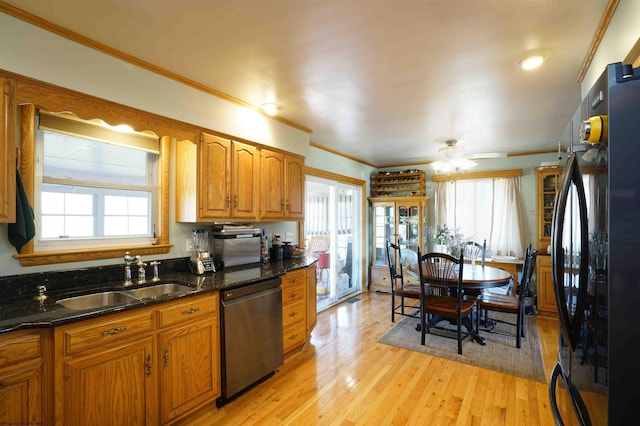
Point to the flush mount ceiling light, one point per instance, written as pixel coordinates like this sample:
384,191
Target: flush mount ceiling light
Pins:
270,108
532,61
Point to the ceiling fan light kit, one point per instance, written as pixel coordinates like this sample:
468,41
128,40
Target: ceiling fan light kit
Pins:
457,165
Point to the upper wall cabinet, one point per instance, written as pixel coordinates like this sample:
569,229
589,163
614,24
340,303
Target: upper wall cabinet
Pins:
7,153
282,186
216,179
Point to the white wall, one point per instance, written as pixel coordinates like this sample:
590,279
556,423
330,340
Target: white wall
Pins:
621,35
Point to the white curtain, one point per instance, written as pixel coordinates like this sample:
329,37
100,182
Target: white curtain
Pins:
317,218
445,202
506,229
504,219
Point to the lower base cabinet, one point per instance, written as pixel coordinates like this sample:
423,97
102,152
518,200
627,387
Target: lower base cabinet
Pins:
114,387
147,366
189,361
22,378
294,310
545,296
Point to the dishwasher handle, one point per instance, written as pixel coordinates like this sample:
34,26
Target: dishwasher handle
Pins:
235,293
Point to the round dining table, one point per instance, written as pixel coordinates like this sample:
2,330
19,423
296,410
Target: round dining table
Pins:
477,278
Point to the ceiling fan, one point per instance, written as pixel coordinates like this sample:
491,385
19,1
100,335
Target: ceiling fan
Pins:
454,150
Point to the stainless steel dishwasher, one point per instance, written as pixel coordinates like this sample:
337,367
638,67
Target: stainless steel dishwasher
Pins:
251,337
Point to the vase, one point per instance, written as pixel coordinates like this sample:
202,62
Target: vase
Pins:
441,248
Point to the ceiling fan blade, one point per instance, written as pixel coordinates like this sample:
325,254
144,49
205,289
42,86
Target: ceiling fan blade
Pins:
486,155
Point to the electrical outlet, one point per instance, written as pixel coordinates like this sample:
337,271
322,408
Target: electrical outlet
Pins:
189,244
288,237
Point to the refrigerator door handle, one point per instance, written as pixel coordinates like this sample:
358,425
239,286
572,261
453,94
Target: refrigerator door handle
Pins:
571,321
578,405
553,379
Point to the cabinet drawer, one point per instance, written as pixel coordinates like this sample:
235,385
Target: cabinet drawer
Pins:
112,330
293,337
190,309
293,278
292,294
19,346
380,280
293,313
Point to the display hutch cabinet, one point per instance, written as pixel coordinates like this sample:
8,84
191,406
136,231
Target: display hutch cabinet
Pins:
401,220
547,182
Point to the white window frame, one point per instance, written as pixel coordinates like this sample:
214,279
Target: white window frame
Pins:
79,243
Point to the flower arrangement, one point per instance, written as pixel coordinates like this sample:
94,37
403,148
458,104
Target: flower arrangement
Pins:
447,236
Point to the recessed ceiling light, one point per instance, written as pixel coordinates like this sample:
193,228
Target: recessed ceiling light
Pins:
270,108
532,61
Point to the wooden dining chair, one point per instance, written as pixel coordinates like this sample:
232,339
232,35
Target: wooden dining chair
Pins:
401,290
509,303
442,296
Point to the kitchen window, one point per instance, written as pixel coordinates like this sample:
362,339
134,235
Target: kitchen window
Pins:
96,186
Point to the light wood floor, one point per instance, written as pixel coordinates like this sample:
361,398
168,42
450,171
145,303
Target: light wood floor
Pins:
344,377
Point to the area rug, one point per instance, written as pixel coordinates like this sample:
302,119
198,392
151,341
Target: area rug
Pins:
499,353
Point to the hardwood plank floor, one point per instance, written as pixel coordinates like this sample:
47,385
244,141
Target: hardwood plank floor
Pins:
344,377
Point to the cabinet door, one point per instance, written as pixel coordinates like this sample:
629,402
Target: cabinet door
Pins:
189,367
115,387
384,229
271,184
21,394
546,298
311,298
294,187
245,181
547,186
215,177
7,153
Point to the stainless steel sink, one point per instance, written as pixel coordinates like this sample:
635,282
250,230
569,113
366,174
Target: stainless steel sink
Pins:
159,290
97,300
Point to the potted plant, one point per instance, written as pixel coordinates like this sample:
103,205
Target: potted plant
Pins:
445,239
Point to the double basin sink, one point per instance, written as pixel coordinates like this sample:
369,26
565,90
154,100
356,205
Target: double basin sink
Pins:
105,299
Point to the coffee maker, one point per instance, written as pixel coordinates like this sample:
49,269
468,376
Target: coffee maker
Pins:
201,260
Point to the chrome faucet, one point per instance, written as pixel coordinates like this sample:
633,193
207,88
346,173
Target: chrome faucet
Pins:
141,272
128,260
155,264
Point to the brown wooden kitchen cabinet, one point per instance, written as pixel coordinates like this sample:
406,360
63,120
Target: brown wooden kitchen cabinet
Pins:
23,378
105,371
545,296
188,349
312,305
294,310
217,179
151,365
7,153
401,220
282,186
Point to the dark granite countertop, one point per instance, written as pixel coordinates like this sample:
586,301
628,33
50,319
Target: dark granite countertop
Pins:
19,309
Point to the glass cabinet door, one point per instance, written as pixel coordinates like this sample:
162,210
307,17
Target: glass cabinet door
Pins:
384,220
550,187
409,227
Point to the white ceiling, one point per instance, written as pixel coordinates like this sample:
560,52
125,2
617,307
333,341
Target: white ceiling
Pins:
382,81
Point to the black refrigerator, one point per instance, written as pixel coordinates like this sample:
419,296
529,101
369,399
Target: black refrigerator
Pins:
595,252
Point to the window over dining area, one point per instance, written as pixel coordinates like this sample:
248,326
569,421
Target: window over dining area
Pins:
483,206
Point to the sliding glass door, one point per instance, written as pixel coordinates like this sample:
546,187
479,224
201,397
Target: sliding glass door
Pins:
333,233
